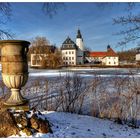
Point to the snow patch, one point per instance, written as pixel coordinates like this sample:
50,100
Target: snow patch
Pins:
67,125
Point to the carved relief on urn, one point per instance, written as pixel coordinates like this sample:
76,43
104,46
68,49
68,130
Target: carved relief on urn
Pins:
14,68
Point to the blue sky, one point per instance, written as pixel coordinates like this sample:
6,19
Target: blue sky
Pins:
28,21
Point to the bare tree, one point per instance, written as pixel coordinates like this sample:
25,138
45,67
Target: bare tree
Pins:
130,24
47,55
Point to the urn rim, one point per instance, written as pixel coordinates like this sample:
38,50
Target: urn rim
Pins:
14,41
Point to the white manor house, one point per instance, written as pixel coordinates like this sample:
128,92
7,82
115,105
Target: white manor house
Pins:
75,54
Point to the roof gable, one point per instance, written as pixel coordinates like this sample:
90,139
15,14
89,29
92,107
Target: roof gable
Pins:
111,52
68,44
68,41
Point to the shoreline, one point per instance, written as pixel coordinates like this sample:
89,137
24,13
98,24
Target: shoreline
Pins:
89,67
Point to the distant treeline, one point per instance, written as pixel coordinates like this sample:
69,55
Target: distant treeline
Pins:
128,55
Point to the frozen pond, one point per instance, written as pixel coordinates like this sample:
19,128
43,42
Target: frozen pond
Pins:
84,72
104,72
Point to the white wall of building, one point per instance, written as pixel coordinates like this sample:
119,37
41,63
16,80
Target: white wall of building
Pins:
137,57
110,61
80,44
80,52
69,57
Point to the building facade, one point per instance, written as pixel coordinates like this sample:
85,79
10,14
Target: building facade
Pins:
108,58
73,53
37,60
69,52
39,55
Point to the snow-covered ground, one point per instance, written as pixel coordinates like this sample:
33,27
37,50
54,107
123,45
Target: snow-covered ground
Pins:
80,126
72,125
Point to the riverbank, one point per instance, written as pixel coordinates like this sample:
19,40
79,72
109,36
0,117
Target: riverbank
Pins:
90,66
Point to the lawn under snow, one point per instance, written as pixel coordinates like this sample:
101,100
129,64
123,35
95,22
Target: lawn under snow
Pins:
73,125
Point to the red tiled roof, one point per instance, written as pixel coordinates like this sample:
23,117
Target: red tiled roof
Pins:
97,54
110,52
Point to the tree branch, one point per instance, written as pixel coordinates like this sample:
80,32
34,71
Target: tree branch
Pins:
51,8
5,12
5,35
5,9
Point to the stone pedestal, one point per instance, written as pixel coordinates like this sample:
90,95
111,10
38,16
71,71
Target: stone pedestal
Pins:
24,107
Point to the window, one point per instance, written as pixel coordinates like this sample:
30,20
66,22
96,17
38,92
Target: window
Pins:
69,58
34,62
63,58
66,52
72,62
72,52
114,62
66,58
69,52
69,62
108,62
72,58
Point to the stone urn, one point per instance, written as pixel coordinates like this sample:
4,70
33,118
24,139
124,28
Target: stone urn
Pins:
14,69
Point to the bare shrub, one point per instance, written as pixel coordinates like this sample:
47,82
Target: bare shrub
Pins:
72,92
100,93
116,98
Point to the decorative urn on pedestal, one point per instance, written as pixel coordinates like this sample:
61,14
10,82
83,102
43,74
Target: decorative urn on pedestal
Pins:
14,69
